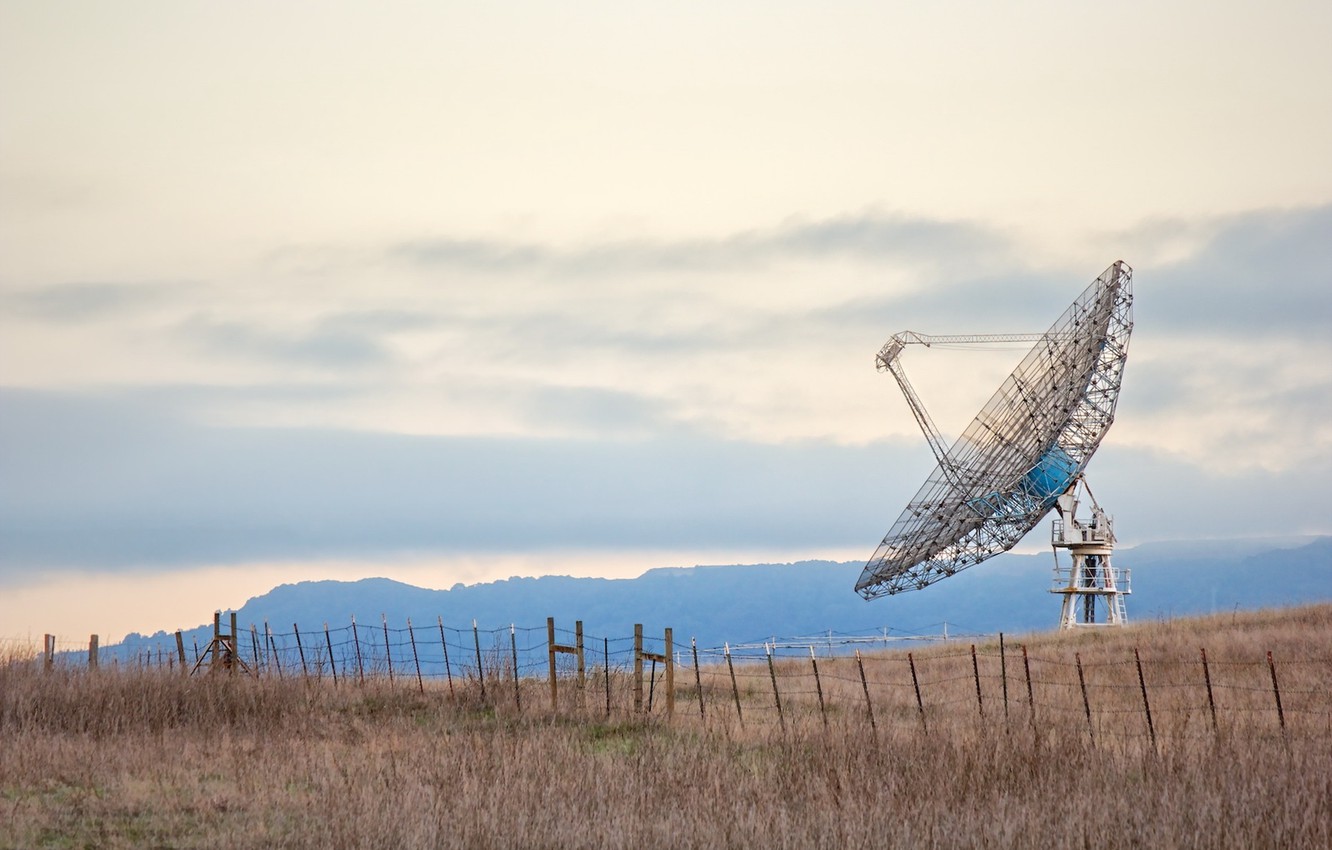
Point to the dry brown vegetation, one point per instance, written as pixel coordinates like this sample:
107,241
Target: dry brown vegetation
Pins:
152,759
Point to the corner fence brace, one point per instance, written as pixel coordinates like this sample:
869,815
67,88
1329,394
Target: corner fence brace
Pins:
667,658
576,650
221,651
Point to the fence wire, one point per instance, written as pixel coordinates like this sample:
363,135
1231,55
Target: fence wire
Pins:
769,683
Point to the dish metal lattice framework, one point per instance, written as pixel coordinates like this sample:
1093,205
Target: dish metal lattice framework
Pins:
1026,447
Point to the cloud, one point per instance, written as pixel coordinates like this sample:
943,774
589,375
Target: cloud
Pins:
1265,273
378,321
867,237
473,254
1261,274
1016,300
1226,407
80,302
594,409
1231,363
109,482
769,338
106,482
338,343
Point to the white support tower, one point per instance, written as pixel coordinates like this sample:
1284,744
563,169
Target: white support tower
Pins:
1089,578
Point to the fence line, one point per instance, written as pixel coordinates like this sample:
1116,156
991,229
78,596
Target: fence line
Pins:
650,674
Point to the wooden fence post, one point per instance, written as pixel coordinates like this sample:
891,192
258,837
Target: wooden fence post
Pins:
550,663
360,662
1031,699
388,654
605,653
1276,692
818,686
300,648
652,684
915,683
864,684
480,668
92,652
1207,678
267,647
776,695
670,674
448,671
332,663
582,665
254,643
235,646
698,679
416,659
214,661
48,652
1086,705
513,647
180,653
272,649
975,671
1142,683
735,689
638,668
1003,673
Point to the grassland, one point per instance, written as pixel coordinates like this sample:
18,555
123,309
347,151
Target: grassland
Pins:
152,759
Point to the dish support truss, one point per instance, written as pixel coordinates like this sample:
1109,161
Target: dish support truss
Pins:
1025,448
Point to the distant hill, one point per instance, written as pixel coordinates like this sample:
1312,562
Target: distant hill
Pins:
736,604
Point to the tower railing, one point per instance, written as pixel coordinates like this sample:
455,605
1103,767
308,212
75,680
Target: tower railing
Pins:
1104,579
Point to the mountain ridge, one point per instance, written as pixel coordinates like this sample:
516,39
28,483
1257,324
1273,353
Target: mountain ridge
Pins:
751,602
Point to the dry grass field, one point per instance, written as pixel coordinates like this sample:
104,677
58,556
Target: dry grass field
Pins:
153,759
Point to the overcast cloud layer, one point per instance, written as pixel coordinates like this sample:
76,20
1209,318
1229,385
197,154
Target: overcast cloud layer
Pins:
290,283
1224,425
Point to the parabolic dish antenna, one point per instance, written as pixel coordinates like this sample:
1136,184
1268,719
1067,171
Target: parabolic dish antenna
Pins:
1027,447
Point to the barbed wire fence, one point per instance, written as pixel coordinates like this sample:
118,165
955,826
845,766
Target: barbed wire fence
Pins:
961,683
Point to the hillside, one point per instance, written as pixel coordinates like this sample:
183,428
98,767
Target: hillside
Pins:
738,604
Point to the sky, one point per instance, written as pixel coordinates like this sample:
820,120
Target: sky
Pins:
453,292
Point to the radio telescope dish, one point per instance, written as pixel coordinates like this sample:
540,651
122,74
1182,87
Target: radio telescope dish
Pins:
1028,445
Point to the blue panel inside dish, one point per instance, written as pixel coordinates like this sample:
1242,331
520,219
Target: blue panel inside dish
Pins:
1051,475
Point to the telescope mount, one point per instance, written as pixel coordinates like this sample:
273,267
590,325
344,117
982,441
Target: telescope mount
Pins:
1090,576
